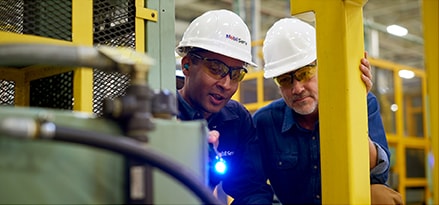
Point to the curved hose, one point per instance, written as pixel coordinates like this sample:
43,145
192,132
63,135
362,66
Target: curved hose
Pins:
132,149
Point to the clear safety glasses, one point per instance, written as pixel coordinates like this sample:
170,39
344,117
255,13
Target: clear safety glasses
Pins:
219,70
302,74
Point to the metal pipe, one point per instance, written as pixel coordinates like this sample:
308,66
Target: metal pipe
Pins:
20,55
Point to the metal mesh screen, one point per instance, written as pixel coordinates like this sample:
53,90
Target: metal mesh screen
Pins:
53,92
52,19
48,18
7,92
11,16
107,85
113,23
11,20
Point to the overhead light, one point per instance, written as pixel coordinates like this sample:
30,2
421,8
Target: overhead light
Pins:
407,74
396,30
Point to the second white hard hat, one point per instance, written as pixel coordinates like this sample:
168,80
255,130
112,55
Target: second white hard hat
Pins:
289,44
218,31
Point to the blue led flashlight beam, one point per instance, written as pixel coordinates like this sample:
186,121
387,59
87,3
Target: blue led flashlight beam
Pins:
219,164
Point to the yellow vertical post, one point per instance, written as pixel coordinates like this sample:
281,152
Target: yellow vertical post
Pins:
82,34
342,99
22,89
430,10
400,147
140,27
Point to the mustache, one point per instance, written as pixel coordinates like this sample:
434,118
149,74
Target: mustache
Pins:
300,96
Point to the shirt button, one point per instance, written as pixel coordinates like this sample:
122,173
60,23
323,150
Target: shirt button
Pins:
315,166
214,127
313,138
280,163
318,196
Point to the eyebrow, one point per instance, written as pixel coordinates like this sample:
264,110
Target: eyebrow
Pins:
242,66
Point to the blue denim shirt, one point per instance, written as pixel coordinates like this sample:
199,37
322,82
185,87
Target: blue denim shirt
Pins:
244,180
291,153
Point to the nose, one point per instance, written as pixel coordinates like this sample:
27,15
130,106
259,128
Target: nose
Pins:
297,87
225,83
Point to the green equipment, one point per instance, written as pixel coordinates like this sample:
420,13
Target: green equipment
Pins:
137,152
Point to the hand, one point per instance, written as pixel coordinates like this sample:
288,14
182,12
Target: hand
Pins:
214,138
373,155
214,176
366,75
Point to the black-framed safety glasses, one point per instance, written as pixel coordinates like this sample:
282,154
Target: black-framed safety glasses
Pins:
302,74
218,69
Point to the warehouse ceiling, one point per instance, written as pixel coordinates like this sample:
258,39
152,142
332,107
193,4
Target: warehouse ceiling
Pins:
378,14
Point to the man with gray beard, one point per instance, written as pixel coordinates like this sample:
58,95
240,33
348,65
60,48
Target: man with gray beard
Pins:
288,128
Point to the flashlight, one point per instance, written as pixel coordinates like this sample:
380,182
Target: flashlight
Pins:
219,165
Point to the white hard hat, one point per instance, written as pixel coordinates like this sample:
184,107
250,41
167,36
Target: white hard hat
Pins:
218,31
289,44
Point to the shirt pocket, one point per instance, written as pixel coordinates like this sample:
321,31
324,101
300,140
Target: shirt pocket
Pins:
285,161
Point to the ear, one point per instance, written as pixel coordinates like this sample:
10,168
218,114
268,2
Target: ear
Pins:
185,61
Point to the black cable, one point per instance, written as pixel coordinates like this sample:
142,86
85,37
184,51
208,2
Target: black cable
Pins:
131,148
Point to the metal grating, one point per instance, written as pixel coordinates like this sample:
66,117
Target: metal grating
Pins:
49,18
113,23
52,19
53,92
11,16
107,85
7,92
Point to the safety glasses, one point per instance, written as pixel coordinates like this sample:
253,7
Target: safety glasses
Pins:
302,74
219,70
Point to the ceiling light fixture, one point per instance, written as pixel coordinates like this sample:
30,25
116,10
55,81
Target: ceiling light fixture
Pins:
396,30
407,74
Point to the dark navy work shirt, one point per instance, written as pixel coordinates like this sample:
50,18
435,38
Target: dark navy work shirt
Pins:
291,153
244,179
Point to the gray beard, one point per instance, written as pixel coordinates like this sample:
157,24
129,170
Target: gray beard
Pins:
307,111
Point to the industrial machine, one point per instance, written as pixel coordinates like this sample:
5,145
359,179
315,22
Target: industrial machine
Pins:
137,152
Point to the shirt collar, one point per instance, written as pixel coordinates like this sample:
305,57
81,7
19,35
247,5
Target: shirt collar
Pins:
186,112
288,120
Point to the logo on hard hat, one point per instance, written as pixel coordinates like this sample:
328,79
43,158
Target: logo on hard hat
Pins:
237,39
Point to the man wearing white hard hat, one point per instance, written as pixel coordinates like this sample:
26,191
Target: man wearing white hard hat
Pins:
288,128
216,52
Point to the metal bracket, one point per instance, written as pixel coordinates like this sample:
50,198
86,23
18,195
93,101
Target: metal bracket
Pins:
148,14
